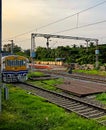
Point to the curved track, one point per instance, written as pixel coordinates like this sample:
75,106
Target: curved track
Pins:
72,104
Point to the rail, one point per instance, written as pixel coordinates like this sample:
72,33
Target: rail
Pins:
72,104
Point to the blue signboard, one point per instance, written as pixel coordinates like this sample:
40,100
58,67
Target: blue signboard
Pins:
33,54
96,52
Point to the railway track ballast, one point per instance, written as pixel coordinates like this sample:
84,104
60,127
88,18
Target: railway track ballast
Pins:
82,108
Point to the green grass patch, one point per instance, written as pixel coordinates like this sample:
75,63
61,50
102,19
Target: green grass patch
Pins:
102,119
101,97
93,72
35,74
48,84
28,112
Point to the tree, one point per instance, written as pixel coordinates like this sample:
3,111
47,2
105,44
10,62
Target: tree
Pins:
91,44
7,48
16,49
27,52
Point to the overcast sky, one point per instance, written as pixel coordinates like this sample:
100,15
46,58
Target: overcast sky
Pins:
20,16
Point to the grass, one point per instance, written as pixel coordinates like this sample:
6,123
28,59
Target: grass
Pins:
28,112
48,84
101,97
93,72
35,74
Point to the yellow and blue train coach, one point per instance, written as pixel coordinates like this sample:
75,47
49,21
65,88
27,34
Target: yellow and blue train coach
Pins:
14,68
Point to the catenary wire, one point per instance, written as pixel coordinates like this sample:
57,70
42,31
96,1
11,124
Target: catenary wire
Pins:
58,20
87,25
91,24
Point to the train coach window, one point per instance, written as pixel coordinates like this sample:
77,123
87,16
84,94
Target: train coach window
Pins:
8,62
15,63
24,62
21,62
18,62
12,63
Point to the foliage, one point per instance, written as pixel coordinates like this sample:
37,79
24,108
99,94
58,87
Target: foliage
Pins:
28,112
7,47
35,74
81,54
101,97
48,84
75,54
93,72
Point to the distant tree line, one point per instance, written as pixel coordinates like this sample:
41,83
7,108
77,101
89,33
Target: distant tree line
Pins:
81,54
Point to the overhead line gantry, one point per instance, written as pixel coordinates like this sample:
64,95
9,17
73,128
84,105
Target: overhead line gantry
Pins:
48,36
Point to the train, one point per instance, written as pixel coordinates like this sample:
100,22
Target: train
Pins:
14,68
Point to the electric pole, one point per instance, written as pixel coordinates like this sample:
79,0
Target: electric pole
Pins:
97,55
0,48
12,46
0,34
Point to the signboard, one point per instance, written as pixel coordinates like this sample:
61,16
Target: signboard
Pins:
33,54
96,52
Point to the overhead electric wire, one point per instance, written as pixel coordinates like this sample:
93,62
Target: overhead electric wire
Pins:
20,40
81,26
72,15
58,20
15,36
23,40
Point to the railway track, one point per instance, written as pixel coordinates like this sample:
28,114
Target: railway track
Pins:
98,79
72,104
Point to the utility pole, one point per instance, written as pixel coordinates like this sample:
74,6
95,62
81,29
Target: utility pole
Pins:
32,51
12,46
47,42
87,45
0,25
0,48
97,55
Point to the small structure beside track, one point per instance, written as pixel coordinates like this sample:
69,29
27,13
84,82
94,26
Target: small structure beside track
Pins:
81,88
45,77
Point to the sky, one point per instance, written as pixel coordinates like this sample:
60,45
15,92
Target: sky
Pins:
22,16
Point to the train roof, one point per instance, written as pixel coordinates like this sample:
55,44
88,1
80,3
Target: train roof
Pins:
3,57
